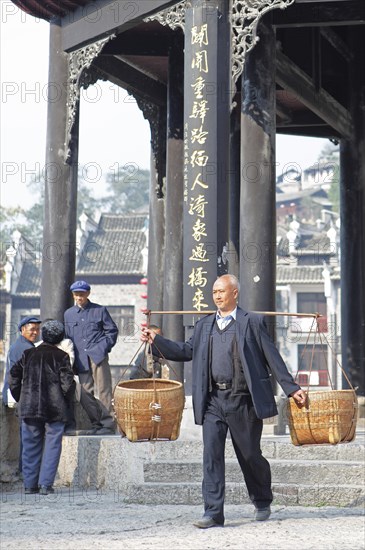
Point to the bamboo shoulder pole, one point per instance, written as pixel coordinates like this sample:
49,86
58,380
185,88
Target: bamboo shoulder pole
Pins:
208,312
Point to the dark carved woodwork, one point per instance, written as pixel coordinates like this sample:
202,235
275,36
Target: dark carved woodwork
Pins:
320,14
129,78
292,78
156,116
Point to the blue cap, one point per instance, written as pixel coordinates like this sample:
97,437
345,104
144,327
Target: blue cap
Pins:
29,319
80,286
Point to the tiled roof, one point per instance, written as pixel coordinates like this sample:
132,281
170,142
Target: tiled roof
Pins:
117,222
298,274
336,274
299,195
30,279
115,247
308,244
323,164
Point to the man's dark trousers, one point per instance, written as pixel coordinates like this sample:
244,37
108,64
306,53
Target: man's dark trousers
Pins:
236,413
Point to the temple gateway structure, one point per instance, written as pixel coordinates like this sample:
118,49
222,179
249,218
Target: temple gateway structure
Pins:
216,79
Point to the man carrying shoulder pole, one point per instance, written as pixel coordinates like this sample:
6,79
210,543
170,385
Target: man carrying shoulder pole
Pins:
232,357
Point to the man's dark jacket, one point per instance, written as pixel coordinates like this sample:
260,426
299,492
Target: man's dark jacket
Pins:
258,354
42,381
92,331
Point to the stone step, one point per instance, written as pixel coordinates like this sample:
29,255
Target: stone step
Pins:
283,471
278,447
285,494
137,472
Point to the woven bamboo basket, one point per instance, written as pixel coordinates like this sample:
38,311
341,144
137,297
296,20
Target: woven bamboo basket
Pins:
326,417
149,409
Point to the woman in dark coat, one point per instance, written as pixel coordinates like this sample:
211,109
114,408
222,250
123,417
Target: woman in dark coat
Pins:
42,381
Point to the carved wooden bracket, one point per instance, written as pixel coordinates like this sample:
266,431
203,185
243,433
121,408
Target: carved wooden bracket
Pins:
81,74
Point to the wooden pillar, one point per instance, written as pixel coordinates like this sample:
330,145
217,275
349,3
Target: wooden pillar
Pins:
206,150
352,163
258,216
156,116
173,292
234,192
156,247
59,233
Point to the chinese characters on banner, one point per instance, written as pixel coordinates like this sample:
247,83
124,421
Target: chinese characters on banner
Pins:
199,174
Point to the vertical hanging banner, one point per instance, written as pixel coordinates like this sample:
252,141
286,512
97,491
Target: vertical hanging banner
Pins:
206,138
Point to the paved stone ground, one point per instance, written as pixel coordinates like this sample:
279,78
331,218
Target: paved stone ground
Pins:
96,520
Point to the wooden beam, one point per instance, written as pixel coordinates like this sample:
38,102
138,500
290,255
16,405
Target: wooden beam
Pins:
105,17
131,79
302,118
283,112
139,43
320,14
337,43
290,77
310,131
306,124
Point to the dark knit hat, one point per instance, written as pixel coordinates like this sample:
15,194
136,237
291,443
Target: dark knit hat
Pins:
53,332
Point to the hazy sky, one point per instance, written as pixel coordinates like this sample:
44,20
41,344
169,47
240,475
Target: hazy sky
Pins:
112,129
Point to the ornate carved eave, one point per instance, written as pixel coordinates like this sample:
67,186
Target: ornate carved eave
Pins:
172,17
245,17
81,74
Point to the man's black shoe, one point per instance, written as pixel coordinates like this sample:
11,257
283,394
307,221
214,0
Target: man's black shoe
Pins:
44,490
262,514
31,490
205,522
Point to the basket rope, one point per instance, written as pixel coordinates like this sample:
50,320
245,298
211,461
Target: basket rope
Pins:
318,335
321,335
303,353
154,406
129,364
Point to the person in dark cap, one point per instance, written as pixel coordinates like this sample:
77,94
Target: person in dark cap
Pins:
29,320
94,334
41,382
29,333
81,286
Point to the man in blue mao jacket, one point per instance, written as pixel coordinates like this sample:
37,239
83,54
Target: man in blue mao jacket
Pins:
94,334
29,328
232,360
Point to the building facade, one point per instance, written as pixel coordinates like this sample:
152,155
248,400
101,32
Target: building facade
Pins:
111,257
